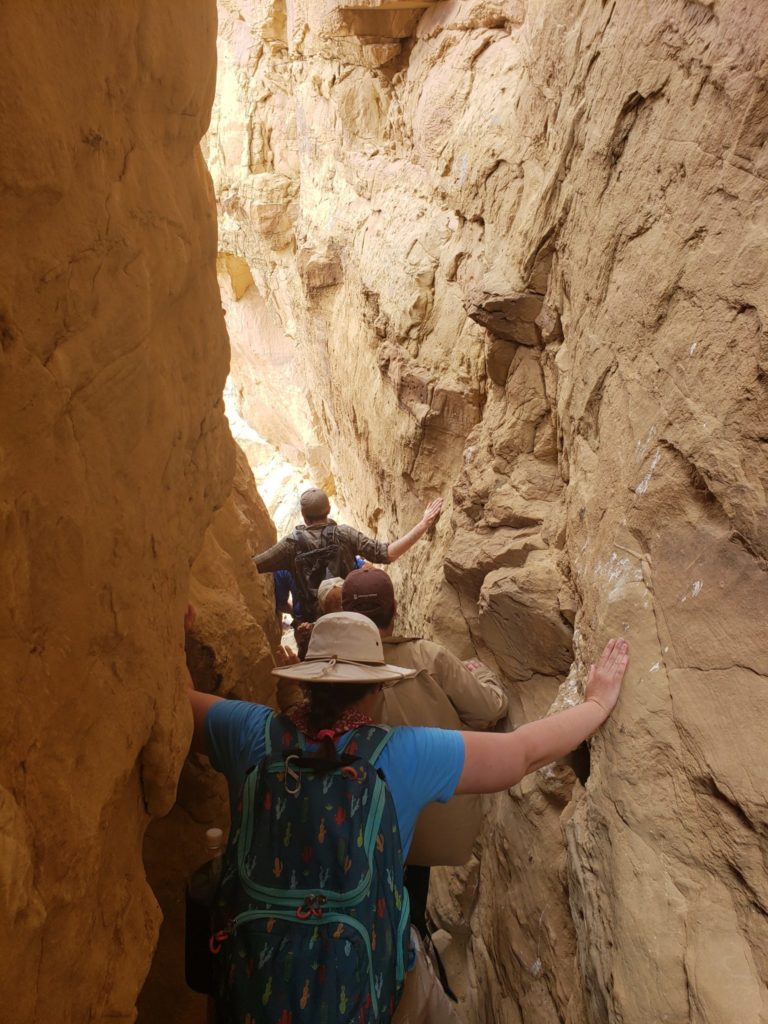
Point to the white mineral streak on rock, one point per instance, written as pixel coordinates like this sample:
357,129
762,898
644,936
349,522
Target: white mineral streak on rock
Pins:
642,487
495,226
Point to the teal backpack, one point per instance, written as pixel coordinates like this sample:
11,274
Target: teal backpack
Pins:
312,913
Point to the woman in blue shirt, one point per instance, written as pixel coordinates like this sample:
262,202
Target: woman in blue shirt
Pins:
342,674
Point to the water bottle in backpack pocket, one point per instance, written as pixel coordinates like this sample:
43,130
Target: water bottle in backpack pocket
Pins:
313,915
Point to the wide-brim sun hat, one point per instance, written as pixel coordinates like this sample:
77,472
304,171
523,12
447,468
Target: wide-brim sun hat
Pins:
345,647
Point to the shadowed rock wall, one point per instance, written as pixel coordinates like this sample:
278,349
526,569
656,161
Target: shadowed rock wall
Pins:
229,653
114,454
520,248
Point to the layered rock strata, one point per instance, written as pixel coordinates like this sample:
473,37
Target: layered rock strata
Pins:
114,454
519,248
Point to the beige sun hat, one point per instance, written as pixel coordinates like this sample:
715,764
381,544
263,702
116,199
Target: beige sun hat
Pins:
345,647
325,588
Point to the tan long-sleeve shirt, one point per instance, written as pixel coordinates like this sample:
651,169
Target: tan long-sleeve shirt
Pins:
444,694
447,695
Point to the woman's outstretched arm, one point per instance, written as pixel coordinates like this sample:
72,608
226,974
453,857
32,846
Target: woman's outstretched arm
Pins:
200,703
494,761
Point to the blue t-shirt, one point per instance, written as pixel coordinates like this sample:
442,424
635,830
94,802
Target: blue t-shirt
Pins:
420,765
285,587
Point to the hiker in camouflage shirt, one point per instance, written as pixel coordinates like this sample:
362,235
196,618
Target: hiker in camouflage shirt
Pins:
321,548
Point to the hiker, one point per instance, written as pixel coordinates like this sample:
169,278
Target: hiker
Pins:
287,601
446,693
323,548
313,911
328,600
287,597
329,595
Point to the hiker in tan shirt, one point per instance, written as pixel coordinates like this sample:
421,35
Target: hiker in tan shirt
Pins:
445,693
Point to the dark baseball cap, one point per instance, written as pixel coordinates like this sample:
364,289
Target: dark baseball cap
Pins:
315,503
370,592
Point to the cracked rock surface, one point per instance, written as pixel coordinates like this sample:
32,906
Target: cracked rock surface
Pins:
519,249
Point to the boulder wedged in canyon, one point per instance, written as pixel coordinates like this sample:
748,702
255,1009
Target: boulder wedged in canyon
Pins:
114,454
519,248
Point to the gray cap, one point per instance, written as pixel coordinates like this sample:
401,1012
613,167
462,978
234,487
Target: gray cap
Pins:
315,503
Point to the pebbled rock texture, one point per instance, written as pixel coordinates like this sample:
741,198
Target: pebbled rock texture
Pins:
114,454
520,249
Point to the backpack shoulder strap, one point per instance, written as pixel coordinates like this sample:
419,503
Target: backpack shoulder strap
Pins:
299,536
368,741
281,736
328,535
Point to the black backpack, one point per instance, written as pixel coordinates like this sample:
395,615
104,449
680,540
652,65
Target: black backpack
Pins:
315,563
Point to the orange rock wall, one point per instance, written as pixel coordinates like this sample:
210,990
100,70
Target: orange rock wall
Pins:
114,454
229,653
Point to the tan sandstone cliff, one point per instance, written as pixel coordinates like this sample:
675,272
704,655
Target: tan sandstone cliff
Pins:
114,454
520,248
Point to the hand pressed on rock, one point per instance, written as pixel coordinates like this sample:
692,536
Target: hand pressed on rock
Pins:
432,511
606,676
285,656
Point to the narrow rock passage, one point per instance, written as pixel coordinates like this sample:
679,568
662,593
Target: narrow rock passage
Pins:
508,254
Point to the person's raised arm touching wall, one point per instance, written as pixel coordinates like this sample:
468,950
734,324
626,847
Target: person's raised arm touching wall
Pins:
494,762
431,514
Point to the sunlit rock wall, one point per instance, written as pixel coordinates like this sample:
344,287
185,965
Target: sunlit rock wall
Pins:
114,454
266,399
521,250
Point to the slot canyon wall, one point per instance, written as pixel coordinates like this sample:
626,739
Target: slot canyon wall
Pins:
265,400
115,456
519,249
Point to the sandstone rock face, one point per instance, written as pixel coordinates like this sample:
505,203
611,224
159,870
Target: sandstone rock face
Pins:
114,453
267,399
520,249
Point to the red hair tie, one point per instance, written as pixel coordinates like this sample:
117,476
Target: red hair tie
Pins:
329,733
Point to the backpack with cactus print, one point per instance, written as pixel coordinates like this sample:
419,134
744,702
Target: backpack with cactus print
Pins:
312,913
